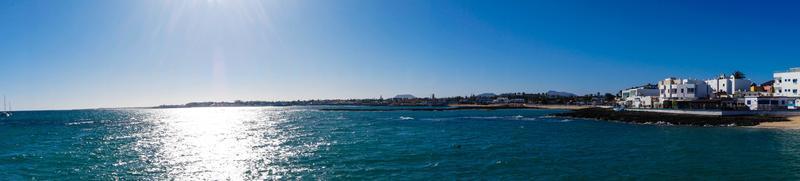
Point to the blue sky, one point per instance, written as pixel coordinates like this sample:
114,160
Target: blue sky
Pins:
93,53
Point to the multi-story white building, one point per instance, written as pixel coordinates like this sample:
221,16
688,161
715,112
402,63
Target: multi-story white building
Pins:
727,86
786,83
682,89
640,97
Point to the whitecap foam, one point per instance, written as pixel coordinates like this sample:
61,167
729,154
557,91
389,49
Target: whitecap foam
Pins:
437,119
80,122
483,117
523,118
406,118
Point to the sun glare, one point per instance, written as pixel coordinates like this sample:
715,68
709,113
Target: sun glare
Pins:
220,143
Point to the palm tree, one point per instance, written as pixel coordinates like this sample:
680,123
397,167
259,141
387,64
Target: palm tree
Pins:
738,75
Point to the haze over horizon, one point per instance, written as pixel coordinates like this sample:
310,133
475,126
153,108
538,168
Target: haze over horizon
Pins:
90,54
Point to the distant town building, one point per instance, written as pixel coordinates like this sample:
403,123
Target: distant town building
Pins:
517,100
755,88
640,97
404,96
767,86
769,103
727,86
786,83
486,98
501,100
682,89
559,94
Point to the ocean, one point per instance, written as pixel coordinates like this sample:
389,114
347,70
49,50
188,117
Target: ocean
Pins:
257,143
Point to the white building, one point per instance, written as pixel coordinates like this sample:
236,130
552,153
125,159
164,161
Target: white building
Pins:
786,83
500,100
682,89
727,86
770,103
640,97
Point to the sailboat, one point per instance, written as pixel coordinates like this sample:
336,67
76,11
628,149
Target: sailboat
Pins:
5,112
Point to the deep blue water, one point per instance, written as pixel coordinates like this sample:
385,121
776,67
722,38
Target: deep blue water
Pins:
302,142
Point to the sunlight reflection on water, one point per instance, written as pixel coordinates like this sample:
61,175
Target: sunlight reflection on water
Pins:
221,143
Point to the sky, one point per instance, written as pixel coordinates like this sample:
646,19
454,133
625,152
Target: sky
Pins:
119,53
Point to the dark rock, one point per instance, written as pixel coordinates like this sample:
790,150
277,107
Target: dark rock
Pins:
666,118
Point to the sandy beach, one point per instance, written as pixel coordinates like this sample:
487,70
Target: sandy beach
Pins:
793,123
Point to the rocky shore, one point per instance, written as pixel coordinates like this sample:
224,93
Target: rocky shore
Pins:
666,118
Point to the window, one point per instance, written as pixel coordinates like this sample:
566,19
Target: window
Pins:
690,90
794,91
779,91
763,101
748,102
681,90
794,81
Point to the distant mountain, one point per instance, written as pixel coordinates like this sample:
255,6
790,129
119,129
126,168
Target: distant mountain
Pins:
487,95
404,96
560,94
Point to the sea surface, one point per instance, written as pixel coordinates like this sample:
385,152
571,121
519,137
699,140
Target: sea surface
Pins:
307,143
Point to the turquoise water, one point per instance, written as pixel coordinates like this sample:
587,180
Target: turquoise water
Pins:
302,142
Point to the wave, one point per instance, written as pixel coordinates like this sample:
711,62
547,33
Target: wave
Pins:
482,117
517,117
438,119
80,122
658,123
520,117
